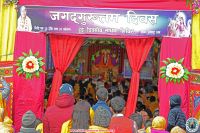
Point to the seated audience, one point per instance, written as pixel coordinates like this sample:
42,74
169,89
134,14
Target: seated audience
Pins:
139,121
39,125
159,125
29,122
80,117
62,111
118,120
101,120
156,113
102,97
176,117
177,129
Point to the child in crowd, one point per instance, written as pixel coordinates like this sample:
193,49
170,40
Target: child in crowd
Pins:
102,97
101,120
118,120
29,123
176,117
137,117
80,118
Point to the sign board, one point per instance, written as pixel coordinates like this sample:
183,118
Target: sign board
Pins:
98,21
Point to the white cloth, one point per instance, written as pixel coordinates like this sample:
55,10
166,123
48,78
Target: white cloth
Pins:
24,24
118,115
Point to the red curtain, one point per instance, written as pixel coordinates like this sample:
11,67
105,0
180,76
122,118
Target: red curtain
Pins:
176,48
64,49
131,4
137,51
28,94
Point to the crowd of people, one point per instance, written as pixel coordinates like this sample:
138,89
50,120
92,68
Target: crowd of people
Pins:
95,106
99,107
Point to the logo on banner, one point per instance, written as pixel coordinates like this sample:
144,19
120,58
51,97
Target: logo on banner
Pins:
192,125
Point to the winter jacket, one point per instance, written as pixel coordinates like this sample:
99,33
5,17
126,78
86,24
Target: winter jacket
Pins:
102,104
119,123
176,116
28,130
56,115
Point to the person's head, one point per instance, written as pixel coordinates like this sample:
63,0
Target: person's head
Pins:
81,115
175,101
66,89
117,104
23,11
177,129
159,123
156,113
138,119
102,94
145,115
147,123
102,117
29,120
152,99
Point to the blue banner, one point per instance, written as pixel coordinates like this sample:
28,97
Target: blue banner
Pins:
118,22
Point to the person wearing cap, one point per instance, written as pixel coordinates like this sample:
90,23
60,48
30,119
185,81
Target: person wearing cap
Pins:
29,122
101,121
119,123
102,97
61,112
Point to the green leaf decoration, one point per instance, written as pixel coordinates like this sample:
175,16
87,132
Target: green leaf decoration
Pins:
30,53
37,74
19,69
167,79
18,64
19,73
173,78
165,62
162,76
179,80
25,54
181,61
40,59
27,74
41,70
21,58
163,68
36,54
41,63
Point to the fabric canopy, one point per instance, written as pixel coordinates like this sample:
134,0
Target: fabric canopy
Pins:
131,4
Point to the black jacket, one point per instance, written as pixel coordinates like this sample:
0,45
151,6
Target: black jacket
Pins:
176,116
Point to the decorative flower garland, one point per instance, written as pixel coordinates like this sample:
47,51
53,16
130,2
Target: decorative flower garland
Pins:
9,2
174,71
195,5
30,64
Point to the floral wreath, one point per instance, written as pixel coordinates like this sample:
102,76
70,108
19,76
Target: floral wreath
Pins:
30,65
174,71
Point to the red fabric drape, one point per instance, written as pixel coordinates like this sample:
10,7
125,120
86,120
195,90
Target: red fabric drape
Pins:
137,51
64,49
28,93
176,48
131,4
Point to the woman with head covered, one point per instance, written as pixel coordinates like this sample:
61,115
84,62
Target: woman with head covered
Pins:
24,22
